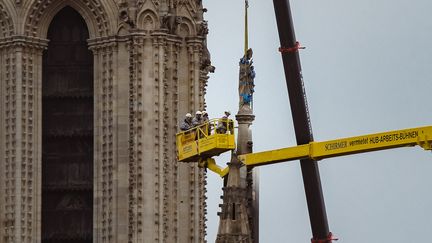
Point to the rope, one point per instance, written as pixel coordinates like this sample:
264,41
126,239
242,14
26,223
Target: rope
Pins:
295,48
329,239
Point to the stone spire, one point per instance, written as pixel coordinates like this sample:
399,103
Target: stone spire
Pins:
236,215
233,225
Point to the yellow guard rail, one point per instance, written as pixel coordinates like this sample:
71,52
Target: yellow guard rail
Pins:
207,140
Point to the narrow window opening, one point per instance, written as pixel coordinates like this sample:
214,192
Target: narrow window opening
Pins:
233,211
67,132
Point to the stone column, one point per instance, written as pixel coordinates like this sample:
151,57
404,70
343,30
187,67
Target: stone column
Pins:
2,136
249,177
110,175
191,186
21,76
194,45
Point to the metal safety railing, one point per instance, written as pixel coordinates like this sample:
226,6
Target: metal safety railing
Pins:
205,140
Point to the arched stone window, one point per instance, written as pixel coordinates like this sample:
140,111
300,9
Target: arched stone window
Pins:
67,131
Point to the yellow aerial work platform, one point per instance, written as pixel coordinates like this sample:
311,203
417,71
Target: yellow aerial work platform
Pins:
205,141
420,136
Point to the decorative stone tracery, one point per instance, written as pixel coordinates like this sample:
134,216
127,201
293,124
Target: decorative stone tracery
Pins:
6,25
41,12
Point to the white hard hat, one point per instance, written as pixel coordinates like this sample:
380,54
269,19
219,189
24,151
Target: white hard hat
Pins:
198,113
188,115
204,113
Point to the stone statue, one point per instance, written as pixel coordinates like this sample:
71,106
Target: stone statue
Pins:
246,79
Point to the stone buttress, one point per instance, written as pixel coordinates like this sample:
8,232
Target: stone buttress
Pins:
151,67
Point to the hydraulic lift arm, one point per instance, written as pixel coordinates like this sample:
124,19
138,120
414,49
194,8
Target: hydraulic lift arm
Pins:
210,164
421,136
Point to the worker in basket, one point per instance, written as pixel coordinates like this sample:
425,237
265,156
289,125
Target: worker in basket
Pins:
201,122
197,120
205,121
223,123
186,127
187,123
205,117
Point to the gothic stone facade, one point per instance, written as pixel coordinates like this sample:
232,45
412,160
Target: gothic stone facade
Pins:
148,66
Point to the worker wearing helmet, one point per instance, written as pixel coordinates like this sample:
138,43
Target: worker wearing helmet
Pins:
205,121
197,120
227,114
205,117
187,122
223,123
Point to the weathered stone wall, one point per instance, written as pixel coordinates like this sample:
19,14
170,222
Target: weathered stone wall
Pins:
150,68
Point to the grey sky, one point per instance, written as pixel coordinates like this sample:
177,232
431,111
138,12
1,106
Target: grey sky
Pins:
367,68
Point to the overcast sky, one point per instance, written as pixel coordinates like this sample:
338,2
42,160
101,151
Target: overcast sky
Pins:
367,68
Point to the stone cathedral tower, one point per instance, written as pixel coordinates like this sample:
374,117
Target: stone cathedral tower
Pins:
91,95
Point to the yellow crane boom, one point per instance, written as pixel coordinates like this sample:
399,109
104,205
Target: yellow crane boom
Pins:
421,136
